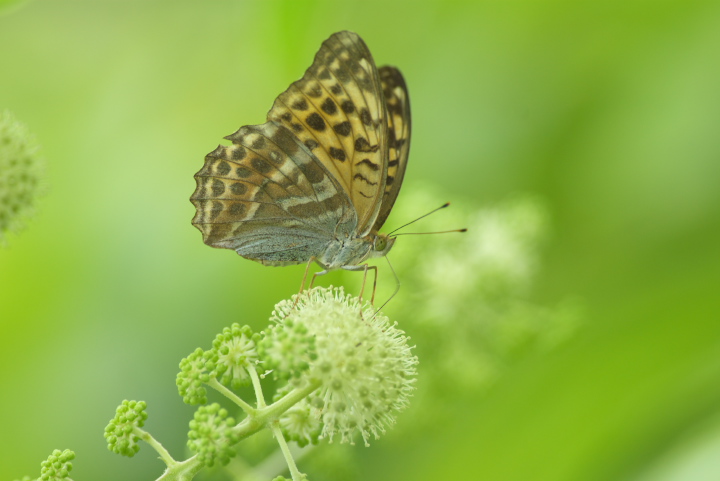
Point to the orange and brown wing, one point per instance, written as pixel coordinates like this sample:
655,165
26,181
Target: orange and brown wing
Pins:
268,198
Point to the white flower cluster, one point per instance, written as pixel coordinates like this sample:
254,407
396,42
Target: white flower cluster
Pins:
363,363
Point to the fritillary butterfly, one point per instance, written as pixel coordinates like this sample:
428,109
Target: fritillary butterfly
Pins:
316,181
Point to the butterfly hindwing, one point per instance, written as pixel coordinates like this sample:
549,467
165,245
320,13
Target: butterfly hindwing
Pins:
338,111
268,198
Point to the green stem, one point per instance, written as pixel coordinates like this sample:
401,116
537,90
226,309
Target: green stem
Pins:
182,471
147,437
294,472
266,415
257,419
274,410
257,386
215,384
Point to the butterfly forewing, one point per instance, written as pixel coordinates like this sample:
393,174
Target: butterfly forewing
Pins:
338,111
398,108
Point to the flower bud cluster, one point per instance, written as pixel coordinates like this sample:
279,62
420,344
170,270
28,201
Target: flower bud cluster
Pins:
235,352
195,372
211,435
120,433
57,466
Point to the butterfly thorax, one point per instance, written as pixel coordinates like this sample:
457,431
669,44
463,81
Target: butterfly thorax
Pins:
349,252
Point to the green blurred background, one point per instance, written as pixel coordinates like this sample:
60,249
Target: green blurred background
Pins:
609,111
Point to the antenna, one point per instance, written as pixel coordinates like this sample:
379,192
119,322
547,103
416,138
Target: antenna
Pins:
387,258
438,232
421,217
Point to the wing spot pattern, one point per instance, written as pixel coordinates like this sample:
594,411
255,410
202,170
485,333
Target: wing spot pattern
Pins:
223,168
329,107
372,165
338,154
300,104
238,188
258,143
314,91
216,208
237,209
238,153
315,122
261,165
362,145
218,187
364,179
365,117
243,172
347,106
343,128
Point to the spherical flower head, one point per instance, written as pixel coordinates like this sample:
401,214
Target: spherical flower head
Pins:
211,435
120,433
195,372
57,467
21,168
236,352
363,362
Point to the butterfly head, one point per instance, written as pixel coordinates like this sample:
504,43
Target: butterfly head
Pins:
382,244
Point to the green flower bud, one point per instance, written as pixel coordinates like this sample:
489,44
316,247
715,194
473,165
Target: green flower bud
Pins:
120,433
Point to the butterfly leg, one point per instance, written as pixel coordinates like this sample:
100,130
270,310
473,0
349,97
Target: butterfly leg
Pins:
321,273
365,268
304,280
365,273
312,280
307,269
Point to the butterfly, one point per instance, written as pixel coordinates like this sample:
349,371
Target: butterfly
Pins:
316,182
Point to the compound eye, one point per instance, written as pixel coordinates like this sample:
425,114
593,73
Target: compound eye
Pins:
380,244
